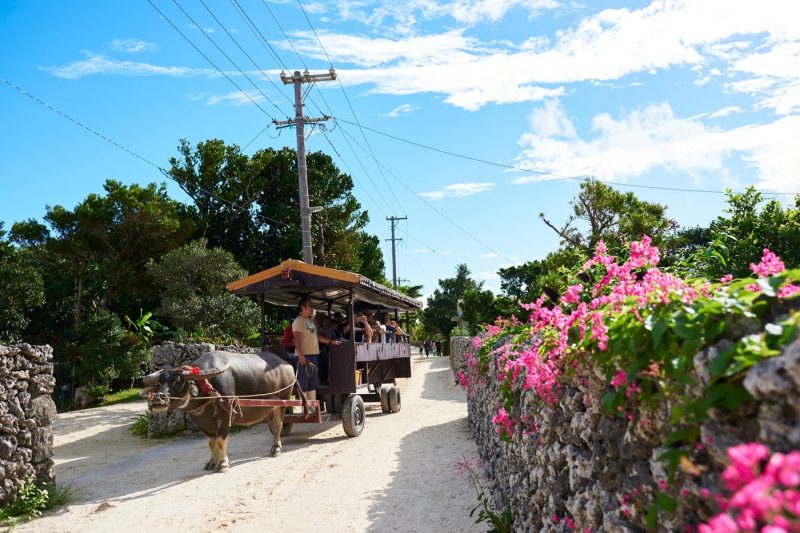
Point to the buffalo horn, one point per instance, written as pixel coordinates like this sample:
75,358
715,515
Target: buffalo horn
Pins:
205,374
151,380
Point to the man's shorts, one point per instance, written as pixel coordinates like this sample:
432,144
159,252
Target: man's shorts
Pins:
306,377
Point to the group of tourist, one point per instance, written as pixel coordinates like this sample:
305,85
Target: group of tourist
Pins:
307,339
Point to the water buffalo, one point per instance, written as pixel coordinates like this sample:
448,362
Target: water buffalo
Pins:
195,390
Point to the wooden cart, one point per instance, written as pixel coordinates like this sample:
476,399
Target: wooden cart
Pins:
358,372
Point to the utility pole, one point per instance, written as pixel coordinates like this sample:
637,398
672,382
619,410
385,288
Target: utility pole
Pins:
299,122
393,223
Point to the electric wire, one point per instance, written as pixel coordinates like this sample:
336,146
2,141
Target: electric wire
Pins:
259,36
165,172
266,4
266,77
248,78
208,59
538,172
350,105
438,211
254,138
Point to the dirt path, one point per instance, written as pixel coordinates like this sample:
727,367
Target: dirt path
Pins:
399,475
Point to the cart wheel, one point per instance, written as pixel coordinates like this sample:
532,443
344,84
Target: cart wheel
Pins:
385,398
353,415
394,399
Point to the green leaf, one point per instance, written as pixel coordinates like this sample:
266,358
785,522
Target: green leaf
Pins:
686,328
666,502
659,327
682,435
729,395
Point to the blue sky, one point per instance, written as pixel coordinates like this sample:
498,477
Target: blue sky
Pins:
698,95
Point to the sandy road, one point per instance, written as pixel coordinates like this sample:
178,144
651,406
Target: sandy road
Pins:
398,475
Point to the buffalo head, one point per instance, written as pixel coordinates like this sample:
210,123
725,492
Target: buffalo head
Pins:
175,388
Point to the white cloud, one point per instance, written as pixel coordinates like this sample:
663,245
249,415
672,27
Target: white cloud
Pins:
552,121
402,109
776,77
458,190
490,255
236,98
725,111
404,17
603,47
98,64
654,137
131,46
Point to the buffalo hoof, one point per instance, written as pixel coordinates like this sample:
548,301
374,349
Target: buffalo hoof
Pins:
275,451
224,467
209,466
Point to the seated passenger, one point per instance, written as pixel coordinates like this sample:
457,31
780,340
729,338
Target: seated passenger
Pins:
399,334
363,331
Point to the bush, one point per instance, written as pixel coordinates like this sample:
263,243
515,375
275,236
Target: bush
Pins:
139,426
33,498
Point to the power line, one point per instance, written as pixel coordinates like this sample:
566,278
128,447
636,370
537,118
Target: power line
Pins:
209,60
165,172
439,212
259,36
350,105
538,172
285,35
257,88
266,77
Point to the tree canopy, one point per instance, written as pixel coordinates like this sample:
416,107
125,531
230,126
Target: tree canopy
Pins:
249,205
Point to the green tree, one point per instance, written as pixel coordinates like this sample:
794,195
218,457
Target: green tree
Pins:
749,225
250,206
21,290
193,295
103,244
102,350
616,218
438,315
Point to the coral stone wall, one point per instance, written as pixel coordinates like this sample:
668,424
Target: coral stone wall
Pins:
173,355
27,412
601,472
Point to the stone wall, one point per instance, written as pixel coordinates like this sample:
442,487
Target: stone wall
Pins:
27,412
602,472
173,355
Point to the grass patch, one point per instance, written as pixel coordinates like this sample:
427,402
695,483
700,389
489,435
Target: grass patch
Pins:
32,499
140,426
123,396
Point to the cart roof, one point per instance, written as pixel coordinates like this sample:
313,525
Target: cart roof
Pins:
285,283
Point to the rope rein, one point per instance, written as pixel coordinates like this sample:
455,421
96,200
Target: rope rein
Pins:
218,396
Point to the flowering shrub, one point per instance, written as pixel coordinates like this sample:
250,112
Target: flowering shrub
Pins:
642,327
765,492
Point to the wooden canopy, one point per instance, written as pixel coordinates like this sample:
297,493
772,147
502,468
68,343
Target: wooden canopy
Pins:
327,288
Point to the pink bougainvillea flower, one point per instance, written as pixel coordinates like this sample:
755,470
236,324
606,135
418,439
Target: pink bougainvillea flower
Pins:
787,291
726,278
770,264
721,523
619,379
572,294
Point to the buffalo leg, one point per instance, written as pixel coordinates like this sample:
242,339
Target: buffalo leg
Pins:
277,427
212,446
222,447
